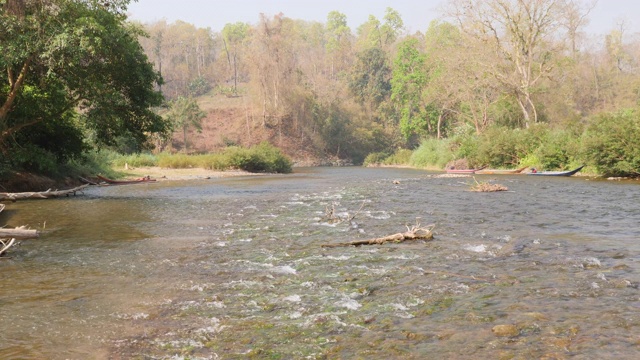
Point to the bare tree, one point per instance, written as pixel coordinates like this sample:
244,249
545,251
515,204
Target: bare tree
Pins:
521,32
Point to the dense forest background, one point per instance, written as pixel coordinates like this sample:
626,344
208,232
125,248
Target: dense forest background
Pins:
513,73
498,83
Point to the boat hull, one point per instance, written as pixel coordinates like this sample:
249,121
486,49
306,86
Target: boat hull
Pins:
124,182
499,171
557,173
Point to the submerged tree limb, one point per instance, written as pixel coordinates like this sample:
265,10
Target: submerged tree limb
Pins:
414,233
5,246
19,232
41,194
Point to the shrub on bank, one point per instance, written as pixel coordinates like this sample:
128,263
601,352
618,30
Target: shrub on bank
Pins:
260,158
399,157
432,153
610,143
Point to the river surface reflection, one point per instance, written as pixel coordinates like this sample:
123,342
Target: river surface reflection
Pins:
233,268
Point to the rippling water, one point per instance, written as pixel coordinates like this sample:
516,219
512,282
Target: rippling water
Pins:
233,268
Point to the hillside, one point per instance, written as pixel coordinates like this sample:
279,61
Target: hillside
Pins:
232,121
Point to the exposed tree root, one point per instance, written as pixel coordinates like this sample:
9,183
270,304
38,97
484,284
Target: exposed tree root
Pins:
414,233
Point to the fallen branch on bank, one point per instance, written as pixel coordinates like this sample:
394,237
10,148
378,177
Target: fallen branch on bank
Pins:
414,233
41,194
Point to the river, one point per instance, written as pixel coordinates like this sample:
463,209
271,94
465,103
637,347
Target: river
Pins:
233,268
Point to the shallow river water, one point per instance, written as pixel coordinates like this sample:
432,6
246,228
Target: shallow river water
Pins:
233,268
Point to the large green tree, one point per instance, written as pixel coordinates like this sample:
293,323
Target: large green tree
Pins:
78,63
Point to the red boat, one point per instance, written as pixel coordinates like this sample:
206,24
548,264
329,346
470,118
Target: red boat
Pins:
124,182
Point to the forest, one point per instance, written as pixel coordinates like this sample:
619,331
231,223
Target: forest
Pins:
501,83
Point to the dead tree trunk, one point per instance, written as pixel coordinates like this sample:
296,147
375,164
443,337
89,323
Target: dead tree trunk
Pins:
40,195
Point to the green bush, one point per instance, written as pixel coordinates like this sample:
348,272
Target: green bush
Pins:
557,150
432,153
504,147
399,157
261,158
376,158
610,143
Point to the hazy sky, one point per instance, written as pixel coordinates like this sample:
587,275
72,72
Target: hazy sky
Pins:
416,14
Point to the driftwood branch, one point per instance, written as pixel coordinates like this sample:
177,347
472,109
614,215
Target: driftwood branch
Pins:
19,233
41,194
487,187
414,233
6,245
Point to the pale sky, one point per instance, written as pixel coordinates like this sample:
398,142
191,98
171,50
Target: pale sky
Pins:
416,14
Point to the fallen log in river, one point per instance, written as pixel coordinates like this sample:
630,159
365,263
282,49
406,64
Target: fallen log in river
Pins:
41,194
414,233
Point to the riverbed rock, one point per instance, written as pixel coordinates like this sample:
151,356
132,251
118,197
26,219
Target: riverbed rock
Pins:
505,330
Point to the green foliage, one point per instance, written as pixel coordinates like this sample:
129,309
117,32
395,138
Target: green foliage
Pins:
370,76
85,75
408,81
184,113
504,147
199,86
432,153
375,158
263,157
399,157
135,160
611,143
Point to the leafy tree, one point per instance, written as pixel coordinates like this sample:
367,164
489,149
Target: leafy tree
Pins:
185,113
407,85
370,78
74,60
373,33
338,43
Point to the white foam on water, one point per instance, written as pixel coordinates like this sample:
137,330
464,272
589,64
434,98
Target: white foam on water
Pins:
348,303
293,298
284,270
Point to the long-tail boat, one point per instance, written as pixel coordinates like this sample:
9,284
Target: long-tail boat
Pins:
500,171
555,173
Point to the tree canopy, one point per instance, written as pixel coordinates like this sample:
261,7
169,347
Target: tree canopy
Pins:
77,63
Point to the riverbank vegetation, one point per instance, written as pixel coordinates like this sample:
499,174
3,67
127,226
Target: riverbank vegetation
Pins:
260,158
509,84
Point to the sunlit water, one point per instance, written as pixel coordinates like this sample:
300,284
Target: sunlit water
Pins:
233,268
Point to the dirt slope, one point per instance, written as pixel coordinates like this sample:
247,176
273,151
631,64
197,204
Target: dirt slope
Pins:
232,121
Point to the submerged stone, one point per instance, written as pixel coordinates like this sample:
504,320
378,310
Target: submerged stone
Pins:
505,330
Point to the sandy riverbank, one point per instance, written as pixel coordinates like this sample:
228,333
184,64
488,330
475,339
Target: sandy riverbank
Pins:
181,174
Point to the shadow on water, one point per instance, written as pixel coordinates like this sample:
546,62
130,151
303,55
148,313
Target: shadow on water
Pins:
233,268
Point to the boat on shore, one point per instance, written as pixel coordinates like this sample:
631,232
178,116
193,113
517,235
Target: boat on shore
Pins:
555,173
500,171
463,171
124,182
